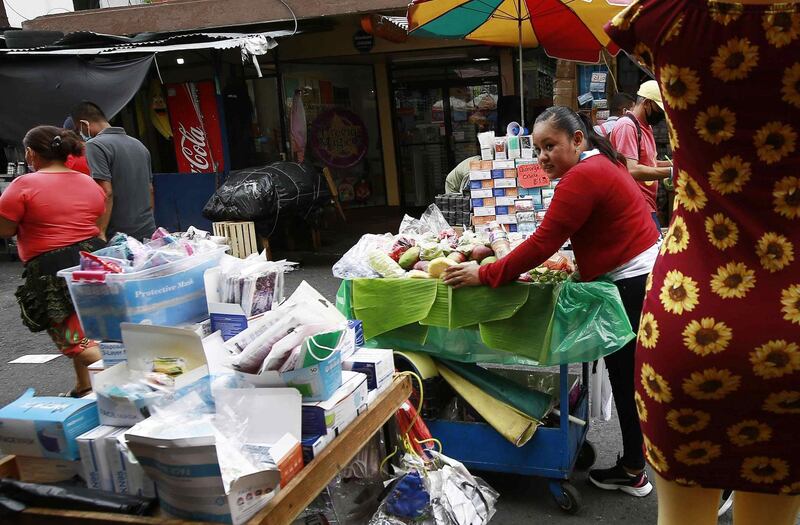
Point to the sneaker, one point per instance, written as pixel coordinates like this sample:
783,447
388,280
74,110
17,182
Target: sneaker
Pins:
725,502
617,478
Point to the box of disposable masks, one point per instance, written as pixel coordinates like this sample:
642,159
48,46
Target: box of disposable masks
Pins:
45,427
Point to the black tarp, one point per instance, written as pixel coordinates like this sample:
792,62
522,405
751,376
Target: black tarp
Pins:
38,90
269,195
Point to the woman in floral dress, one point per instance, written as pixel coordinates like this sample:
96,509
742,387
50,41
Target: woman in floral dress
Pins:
718,361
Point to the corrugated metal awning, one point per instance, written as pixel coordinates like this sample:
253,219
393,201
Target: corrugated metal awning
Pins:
252,43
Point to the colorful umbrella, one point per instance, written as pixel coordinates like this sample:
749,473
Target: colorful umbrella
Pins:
566,29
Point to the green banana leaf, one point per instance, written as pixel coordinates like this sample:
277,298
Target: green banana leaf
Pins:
544,324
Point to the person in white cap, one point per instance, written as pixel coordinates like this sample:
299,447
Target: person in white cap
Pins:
633,137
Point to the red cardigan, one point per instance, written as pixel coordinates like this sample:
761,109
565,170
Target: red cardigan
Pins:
599,207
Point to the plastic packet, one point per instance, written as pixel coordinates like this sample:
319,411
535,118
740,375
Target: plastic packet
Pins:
433,219
253,355
236,344
354,263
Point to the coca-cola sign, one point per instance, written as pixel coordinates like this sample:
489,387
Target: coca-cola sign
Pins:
195,126
194,148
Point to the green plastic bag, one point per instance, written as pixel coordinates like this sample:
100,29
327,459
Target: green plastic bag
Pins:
589,321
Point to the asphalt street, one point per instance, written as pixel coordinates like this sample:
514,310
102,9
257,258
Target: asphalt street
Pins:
523,500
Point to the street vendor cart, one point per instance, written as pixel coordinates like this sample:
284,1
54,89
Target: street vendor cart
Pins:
523,326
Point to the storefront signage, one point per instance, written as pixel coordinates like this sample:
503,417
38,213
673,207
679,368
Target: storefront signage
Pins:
339,138
363,41
195,127
532,176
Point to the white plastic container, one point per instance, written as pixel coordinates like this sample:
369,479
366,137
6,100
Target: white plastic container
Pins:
166,295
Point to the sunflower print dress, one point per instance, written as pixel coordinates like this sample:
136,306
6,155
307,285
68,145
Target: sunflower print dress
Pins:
718,358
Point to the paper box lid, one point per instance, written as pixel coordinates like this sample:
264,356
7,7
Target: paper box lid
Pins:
350,383
143,343
250,406
55,409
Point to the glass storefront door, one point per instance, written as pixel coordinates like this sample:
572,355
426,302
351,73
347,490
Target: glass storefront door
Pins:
421,134
437,116
473,110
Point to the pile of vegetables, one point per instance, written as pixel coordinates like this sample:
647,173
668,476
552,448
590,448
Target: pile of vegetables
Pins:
424,248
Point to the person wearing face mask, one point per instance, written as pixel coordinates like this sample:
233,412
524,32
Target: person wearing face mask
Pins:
76,162
53,212
121,166
633,137
598,206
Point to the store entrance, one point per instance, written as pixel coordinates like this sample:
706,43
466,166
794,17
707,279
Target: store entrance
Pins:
436,121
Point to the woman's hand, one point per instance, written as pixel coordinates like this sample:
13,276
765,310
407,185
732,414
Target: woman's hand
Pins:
464,274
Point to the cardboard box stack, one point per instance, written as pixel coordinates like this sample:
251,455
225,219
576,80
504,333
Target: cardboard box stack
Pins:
493,189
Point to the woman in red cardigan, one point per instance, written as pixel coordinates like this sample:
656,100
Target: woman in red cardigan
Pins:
600,209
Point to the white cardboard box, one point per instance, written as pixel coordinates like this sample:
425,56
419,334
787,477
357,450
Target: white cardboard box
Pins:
144,343
483,211
480,175
376,363
94,459
480,194
503,165
504,201
184,461
44,470
505,183
127,475
338,411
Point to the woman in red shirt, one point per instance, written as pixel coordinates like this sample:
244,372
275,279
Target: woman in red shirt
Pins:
53,212
598,207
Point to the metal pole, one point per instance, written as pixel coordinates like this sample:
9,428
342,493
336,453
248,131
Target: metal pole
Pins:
521,88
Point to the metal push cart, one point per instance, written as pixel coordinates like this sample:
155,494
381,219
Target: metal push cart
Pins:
552,453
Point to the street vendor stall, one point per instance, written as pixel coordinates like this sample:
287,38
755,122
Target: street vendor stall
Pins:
242,418
526,326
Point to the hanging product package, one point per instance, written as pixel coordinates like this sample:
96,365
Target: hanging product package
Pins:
447,494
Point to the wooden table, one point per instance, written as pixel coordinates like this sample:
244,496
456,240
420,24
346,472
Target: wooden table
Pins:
284,507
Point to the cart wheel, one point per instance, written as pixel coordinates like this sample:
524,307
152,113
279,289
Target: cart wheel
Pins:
567,496
587,455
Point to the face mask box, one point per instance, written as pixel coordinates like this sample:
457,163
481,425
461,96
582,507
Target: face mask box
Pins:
113,353
43,470
184,461
338,411
143,344
376,363
46,427
94,459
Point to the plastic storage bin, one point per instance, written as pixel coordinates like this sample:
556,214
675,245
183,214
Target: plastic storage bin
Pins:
167,295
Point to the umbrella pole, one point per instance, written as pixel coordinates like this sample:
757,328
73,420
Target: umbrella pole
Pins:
521,88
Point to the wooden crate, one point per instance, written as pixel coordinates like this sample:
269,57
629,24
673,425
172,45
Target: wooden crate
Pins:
241,237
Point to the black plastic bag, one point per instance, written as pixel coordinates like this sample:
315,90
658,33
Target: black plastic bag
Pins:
13,493
268,195
245,195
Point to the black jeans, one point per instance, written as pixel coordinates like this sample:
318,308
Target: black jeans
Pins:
620,367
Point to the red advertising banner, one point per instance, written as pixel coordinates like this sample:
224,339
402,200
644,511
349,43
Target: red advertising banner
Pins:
196,128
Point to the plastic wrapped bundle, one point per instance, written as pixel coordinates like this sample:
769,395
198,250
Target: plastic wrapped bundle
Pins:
268,195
